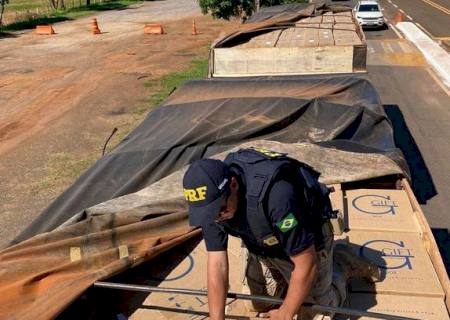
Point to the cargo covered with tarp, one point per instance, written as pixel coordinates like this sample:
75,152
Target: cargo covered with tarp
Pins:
291,40
128,207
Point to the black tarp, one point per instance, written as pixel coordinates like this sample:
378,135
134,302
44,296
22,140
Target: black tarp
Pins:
205,117
267,13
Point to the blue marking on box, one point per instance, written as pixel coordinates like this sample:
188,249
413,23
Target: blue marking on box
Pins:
399,252
384,202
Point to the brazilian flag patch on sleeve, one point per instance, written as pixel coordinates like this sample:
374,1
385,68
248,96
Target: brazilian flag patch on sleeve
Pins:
288,223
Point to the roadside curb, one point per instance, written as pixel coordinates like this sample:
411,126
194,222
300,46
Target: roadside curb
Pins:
438,58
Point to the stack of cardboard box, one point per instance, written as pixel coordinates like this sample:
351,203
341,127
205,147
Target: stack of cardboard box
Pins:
383,227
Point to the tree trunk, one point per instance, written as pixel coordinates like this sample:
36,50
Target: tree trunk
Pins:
54,4
257,5
3,3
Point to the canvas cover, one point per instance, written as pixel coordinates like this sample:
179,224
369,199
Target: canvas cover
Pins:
128,207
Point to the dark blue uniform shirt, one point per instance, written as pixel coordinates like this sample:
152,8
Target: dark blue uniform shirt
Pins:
282,201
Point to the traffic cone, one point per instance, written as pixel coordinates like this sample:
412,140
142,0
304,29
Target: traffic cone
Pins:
194,28
45,29
398,17
153,28
94,26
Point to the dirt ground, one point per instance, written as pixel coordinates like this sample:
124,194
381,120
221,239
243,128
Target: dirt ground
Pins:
61,95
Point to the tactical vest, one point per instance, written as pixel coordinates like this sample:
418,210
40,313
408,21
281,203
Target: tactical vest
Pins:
261,168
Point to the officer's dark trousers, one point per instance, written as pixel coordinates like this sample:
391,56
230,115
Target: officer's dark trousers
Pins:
270,276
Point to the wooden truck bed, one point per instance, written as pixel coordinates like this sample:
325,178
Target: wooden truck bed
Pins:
327,44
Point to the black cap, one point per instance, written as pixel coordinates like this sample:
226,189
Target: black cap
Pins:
205,184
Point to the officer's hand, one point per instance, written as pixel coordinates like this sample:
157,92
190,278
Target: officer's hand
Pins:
275,314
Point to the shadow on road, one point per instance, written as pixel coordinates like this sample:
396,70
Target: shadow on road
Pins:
422,182
442,237
32,23
4,35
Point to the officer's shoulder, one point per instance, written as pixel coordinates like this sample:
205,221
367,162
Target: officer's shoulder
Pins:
281,189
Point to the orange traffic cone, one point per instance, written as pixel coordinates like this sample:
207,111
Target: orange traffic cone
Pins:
194,28
94,26
45,29
153,28
398,17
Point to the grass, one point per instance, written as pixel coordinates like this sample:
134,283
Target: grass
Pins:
15,5
33,20
64,168
164,86
198,68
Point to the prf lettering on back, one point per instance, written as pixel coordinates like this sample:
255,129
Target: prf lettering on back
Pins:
197,194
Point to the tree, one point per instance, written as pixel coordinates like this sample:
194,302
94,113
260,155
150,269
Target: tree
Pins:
3,4
225,9
57,4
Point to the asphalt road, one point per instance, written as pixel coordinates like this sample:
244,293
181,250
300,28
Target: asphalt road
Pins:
432,16
418,104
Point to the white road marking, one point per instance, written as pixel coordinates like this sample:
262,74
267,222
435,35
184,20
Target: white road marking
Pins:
396,31
438,81
395,5
409,17
437,6
401,11
424,30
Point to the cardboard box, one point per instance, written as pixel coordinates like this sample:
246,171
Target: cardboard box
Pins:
337,200
380,210
190,273
407,306
404,263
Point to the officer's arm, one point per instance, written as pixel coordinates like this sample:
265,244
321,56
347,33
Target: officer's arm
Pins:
302,278
217,276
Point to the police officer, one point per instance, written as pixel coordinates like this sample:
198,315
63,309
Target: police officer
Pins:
280,211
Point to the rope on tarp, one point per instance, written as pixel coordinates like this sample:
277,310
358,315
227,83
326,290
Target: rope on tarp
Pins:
277,301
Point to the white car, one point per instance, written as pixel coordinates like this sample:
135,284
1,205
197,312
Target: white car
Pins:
369,14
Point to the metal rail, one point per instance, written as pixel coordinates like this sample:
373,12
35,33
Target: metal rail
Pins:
277,301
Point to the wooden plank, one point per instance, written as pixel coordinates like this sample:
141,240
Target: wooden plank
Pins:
344,27
359,58
326,41
309,20
343,14
326,37
263,41
326,26
317,19
343,19
303,21
328,19
430,243
347,41
282,60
